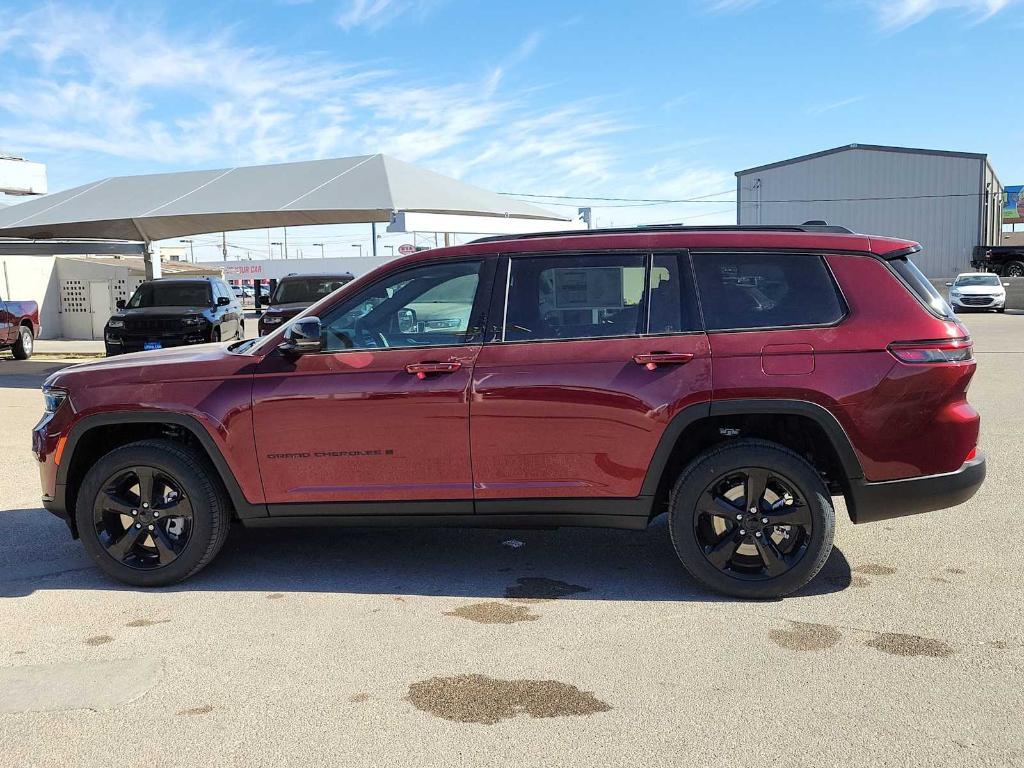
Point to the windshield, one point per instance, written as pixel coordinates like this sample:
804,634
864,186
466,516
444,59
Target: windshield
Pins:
171,295
977,280
306,291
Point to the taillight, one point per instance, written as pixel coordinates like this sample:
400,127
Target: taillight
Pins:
939,351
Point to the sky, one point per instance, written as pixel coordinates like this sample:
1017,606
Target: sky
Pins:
642,99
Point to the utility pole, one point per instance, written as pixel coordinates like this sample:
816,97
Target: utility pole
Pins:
270,247
373,237
322,256
392,249
360,247
224,245
191,248
286,242
586,216
277,243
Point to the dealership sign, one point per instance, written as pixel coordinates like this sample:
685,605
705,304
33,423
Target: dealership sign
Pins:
406,249
1013,204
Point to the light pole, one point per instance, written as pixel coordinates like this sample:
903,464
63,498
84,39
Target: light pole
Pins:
276,242
322,254
191,247
359,246
392,249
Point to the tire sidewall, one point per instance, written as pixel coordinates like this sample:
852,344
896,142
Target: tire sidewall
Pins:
196,487
706,469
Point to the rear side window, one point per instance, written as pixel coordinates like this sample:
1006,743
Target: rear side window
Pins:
766,290
921,287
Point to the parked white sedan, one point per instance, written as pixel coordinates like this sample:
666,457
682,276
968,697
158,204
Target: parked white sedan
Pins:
977,290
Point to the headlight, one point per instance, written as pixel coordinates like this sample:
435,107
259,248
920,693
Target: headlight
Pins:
192,321
955,293
272,320
115,323
53,398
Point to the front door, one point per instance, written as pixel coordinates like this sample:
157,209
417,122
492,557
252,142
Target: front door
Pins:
382,414
596,354
99,303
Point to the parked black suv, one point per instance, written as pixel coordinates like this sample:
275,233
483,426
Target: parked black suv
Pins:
173,312
294,293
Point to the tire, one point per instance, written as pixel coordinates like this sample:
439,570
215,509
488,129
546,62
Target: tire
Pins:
171,465
240,334
1001,310
25,344
804,548
1014,269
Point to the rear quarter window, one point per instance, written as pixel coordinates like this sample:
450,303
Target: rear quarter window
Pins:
766,290
921,286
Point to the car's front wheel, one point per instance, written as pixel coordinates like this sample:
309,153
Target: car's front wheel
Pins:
152,513
751,519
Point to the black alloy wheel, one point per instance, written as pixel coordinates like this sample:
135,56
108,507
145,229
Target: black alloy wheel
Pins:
142,518
752,523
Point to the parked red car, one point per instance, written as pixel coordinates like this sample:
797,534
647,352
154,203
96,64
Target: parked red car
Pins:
19,327
734,378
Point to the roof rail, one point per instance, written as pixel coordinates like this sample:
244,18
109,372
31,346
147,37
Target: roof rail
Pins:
808,227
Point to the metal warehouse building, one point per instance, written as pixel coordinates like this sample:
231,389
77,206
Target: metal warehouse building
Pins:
949,202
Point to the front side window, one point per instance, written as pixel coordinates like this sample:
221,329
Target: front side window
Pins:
765,290
171,295
574,297
423,306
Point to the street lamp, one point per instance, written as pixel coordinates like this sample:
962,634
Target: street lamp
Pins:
276,242
322,255
359,246
191,247
392,249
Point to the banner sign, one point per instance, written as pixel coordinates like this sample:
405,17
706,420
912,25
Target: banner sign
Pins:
1013,204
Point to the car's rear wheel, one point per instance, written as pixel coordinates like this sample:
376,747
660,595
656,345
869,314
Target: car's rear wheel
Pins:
24,345
751,519
1014,269
152,513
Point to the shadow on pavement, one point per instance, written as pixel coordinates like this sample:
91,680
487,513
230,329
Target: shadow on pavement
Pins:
467,562
26,374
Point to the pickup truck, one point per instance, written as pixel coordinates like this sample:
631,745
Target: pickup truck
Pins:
19,326
1005,260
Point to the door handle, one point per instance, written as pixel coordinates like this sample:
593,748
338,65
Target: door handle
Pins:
422,370
651,360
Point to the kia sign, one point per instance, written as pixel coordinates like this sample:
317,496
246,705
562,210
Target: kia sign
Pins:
405,249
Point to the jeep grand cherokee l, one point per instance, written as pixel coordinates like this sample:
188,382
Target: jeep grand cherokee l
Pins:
173,312
295,293
736,379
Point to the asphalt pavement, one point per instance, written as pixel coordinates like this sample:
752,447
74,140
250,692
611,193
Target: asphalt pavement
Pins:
568,647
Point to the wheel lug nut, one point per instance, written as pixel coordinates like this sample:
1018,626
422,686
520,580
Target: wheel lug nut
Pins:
135,511
138,525
742,532
146,506
764,520
157,514
151,528
758,534
739,517
753,510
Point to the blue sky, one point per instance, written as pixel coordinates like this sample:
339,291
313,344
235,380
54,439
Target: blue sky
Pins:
620,99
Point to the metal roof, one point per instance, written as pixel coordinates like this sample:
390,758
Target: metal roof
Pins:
871,147
347,190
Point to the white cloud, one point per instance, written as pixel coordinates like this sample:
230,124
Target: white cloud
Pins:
821,109
899,14
96,93
374,14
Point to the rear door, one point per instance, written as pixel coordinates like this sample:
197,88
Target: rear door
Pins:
382,414
591,357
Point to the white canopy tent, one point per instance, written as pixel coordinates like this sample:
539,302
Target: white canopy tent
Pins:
348,190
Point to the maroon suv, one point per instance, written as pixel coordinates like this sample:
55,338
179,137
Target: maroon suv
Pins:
734,378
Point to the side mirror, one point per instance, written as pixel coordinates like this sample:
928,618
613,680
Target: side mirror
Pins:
302,337
1006,285
262,301
121,303
406,320
948,284
223,301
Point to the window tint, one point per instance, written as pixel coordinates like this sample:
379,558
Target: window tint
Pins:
171,295
574,296
306,290
673,307
423,306
921,286
764,290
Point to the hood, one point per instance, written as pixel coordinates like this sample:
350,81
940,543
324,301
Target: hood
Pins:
199,361
289,309
978,290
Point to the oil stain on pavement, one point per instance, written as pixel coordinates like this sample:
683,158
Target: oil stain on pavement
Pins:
802,636
493,613
536,589
203,710
359,698
146,622
486,700
873,569
98,640
910,645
